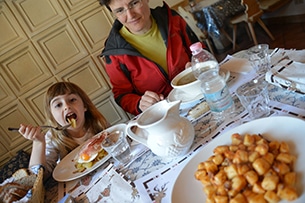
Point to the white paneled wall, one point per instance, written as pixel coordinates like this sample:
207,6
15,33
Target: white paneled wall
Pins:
42,42
45,41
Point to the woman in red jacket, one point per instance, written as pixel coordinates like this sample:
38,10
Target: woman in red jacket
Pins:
145,50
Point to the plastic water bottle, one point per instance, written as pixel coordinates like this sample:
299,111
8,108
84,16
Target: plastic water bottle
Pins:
217,95
202,60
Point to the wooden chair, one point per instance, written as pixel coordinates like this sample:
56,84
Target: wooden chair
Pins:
251,15
190,20
272,5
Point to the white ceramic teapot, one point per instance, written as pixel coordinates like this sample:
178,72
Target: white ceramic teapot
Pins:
162,129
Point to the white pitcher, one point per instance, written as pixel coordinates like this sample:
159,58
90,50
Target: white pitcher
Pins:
163,130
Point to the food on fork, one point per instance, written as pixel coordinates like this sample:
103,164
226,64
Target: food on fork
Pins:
71,118
251,169
72,121
90,153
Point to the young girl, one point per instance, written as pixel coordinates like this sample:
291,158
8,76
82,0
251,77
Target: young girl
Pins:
63,101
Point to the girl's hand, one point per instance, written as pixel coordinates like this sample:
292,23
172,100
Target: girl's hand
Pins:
31,133
148,99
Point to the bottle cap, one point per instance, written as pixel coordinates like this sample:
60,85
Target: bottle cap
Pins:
196,47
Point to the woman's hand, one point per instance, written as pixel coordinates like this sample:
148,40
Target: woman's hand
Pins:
149,98
31,133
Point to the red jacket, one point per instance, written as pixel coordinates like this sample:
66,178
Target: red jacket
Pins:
131,73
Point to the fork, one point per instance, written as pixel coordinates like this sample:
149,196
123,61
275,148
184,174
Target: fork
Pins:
45,126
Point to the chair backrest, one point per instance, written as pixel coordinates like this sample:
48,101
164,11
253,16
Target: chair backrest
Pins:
272,5
190,20
253,10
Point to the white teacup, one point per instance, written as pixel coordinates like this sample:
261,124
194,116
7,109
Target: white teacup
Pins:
187,83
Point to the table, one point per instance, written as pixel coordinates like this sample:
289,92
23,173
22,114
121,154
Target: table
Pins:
213,16
153,176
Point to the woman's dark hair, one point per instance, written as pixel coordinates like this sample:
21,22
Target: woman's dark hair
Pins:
105,3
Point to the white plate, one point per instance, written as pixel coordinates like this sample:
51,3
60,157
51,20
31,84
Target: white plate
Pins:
177,94
289,129
65,168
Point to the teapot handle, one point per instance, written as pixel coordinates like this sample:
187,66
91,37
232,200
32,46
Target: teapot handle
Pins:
140,135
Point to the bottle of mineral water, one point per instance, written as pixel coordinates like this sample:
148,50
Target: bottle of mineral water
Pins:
217,95
206,68
202,60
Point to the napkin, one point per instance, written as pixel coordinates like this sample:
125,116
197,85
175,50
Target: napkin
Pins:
297,55
279,54
106,185
288,74
236,65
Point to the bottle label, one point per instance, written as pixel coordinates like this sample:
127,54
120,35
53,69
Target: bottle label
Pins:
219,101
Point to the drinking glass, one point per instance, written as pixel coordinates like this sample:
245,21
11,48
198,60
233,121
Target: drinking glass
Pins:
117,146
259,58
255,98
